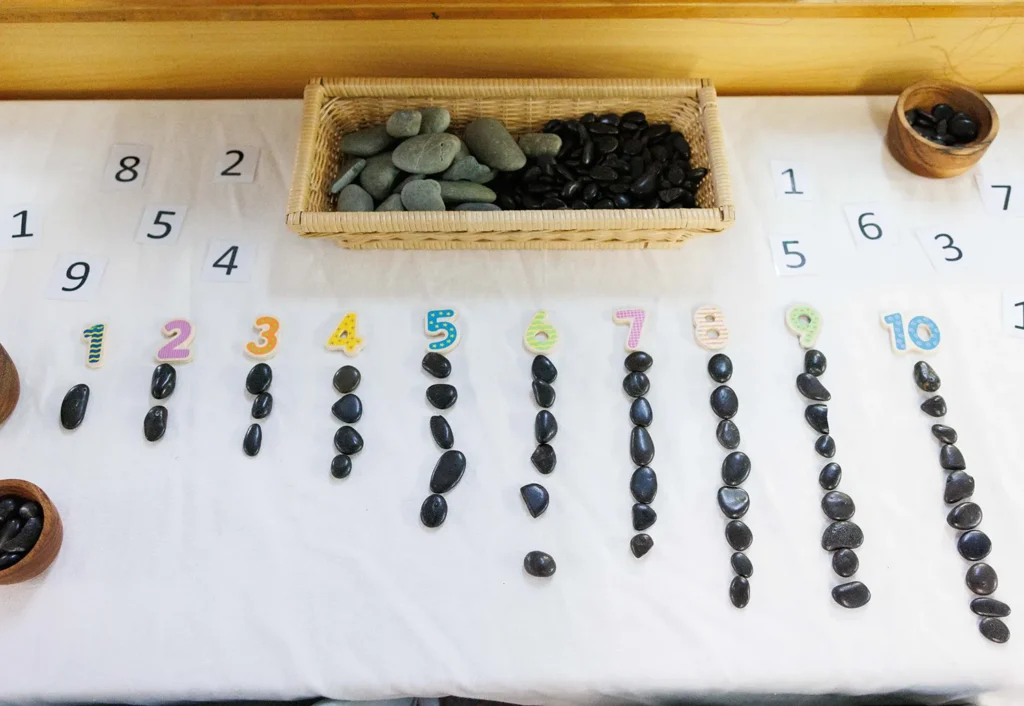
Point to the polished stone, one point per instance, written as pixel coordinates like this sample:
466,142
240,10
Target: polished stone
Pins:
434,119
990,608
354,199
994,629
442,432
543,393
543,369
741,564
431,153
539,564
433,511
951,459
728,434
366,142
720,367
74,406
545,426
442,395
974,545
161,386
837,505
26,537
9,559
926,377
640,544
644,484
643,516
348,441
934,406
636,384
946,435
845,562
959,486
981,579
817,416
965,516
437,365
639,362
830,476
733,502
259,378
735,468
815,362
347,379
825,445
738,535
379,175
851,595
811,388
155,423
640,412
543,458
842,535
262,405
252,442
422,195
536,498
30,509
348,409
739,591
490,142
448,471
341,466
724,402
8,507
641,446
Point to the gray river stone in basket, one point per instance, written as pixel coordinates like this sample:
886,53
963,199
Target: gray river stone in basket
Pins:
392,203
379,176
492,144
423,195
468,169
435,119
404,123
456,192
540,144
350,169
354,198
366,142
426,154
401,185
477,207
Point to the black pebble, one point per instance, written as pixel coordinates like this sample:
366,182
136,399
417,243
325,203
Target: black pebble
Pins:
347,379
644,484
636,384
959,486
641,544
155,423
433,511
990,608
728,434
837,506
543,369
643,516
10,559
442,395
934,406
253,440
811,388
30,509
817,416
738,535
734,502
994,629
963,128
951,459
341,466
842,535
720,367
739,592
348,441
974,545
539,564
8,508
735,468
815,362
262,405
544,459
825,445
348,409
545,426
741,564
448,471
724,402
536,498
845,562
543,393
640,412
259,378
9,532
981,579
830,476
639,362
442,432
942,111
437,365
25,539
161,386
851,595
641,446
72,409
965,516
926,377
946,435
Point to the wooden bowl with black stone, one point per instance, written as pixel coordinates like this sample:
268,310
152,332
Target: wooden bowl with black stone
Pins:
39,558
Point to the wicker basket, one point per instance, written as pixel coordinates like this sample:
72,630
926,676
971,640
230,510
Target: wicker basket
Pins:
334,107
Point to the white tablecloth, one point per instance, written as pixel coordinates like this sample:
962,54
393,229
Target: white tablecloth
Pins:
190,570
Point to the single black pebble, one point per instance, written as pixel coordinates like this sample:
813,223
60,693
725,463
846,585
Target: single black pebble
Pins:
25,539
442,432
965,516
741,564
544,459
437,365
825,445
724,402
641,446
990,608
959,486
8,507
738,535
811,388
734,502
341,466
10,559
259,378
164,379
539,564
543,393
640,412
942,111
636,384
946,435
155,423
9,532
830,476
72,409
644,484
348,441
262,405
739,592
974,545
851,595
543,369
545,426
728,434
842,535
720,367
30,509
926,377
735,468
639,362
536,498
994,629
643,516
442,395
981,579
814,362
845,562
934,406
817,416
641,544
434,510
253,440
951,459
347,379
837,506
349,409
447,471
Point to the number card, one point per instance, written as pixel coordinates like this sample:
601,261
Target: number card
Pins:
439,324
1013,314
94,337
793,181
22,227
76,277
871,224
228,261
182,333
793,256
998,190
709,328
345,338
126,167
265,345
237,163
921,333
635,318
804,322
161,224
944,250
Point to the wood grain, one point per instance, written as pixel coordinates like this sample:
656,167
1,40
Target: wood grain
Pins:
10,385
47,546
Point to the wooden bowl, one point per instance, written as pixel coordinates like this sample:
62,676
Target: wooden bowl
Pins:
10,387
926,158
48,544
